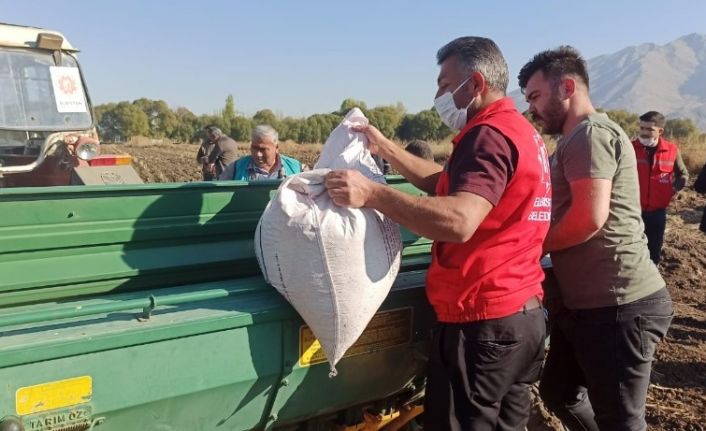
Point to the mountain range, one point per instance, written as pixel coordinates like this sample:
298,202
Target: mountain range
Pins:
668,78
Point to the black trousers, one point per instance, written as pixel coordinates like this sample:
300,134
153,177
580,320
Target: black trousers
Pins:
599,363
655,222
480,373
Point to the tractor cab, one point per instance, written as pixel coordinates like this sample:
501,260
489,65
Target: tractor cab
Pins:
47,128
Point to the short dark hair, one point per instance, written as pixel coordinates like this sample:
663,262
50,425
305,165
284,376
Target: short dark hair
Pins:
420,149
478,54
555,64
653,117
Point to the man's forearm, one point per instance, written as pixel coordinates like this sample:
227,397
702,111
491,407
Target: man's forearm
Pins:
447,218
565,234
585,216
681,169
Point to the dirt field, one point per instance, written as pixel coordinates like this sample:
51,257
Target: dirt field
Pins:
677,396
166,163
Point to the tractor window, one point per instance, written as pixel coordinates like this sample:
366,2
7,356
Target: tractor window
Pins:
31,97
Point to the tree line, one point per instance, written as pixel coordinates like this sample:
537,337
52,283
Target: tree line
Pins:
118,122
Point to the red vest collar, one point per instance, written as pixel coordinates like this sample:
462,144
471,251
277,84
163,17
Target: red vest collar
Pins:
662,145
501,105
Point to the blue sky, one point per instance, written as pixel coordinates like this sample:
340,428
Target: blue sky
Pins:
303,57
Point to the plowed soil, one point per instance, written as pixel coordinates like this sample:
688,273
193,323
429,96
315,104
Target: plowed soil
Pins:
677,395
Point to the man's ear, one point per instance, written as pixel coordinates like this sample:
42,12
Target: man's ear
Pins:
477,84
660,130
567,88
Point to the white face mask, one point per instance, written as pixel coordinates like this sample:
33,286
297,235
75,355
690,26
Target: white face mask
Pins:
451,115
648,142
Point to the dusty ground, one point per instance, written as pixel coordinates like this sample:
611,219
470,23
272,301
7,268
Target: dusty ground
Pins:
177,162
161,163
677,396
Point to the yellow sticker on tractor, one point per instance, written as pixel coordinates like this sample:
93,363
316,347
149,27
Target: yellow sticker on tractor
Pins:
53,395
386,329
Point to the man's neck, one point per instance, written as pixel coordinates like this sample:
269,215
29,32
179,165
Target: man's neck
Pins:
271,168
580,110
486,100
490,98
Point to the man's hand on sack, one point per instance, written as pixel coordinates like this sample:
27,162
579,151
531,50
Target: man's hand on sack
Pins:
377,142
349,188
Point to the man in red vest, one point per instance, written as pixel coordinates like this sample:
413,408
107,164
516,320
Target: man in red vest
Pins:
487,211
616,307
661,172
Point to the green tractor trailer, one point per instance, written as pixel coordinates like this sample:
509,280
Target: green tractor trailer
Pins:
142,307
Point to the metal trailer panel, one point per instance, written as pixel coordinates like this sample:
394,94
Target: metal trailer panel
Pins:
142,307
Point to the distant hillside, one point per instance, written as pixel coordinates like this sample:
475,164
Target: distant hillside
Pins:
669,78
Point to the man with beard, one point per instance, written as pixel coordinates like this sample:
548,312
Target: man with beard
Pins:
488,216
616,307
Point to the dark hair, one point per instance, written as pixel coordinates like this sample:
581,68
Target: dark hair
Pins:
653,117
478,54
555,64
420,149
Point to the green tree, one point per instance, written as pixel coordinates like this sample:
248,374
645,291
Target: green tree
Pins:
162,120
317,127
211,120
425,125
265,116
386,118
186,126
290,128
241,128
228,112
100,110
629,122
349,104
122,122
680,129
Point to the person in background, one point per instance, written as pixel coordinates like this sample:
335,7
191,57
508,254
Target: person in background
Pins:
700,186
265,161
417,147
382,164
661,172
224,152
615,306
488,216
421,149
202,158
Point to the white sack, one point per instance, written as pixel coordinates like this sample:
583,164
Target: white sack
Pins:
335,265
